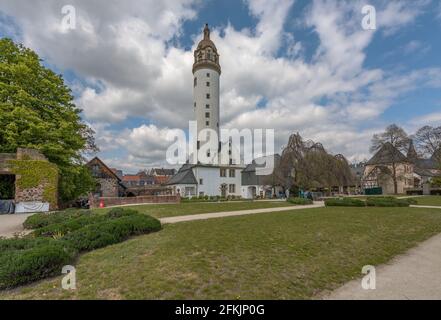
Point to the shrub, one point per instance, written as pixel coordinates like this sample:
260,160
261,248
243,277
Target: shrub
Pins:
40,220
109,232
300,201
412,201
120,212
27,260
344,202
69,225
386,202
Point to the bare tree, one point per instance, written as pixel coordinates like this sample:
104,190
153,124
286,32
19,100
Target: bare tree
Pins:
428,140
392,142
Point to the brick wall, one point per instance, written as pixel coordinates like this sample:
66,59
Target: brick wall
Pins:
115,201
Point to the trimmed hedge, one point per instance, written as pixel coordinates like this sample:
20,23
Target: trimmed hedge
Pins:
386,202
23,260
300,201
121,212
40,220
94,236
28,260
344,202
63,228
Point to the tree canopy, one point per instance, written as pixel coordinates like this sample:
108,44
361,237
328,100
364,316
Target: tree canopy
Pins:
37,111
307,165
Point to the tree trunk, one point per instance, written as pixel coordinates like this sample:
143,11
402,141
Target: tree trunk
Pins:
394,178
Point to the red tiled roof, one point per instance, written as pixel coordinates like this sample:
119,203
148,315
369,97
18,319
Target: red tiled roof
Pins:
131,178
161,179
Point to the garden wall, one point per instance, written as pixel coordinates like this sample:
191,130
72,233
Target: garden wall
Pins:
118,201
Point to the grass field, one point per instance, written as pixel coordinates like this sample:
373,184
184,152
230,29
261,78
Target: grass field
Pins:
429,201
171,210
284,255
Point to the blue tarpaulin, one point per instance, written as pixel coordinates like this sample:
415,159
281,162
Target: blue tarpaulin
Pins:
7,207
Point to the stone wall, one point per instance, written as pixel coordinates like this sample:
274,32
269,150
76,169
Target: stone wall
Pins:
36,179
109,187
31,194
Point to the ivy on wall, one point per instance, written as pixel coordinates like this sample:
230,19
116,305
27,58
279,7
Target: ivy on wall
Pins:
35,173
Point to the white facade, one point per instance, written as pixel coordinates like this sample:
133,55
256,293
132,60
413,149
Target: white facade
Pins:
206,100
261,191
211,183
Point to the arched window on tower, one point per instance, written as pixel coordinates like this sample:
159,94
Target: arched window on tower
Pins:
209,54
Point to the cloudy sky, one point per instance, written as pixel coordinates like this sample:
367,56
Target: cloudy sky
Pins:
292,65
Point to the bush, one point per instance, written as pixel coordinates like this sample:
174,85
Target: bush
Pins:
344,202
26,260
411,201
69,225
40,220
386,202
300,201
120,212
94,236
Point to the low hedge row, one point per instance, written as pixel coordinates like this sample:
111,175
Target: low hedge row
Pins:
370,202
300,201
109,232
47,250
61,229
387,202
28,260
344,202
40,220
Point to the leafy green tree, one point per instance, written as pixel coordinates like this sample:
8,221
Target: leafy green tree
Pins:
37,111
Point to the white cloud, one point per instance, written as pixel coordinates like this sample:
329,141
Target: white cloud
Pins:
131,68
428,119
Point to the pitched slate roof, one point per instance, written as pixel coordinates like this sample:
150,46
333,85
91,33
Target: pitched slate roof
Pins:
185,175
387,154
411,153
164,172
424,172
252,166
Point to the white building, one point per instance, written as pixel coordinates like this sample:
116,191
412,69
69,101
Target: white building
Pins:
207,179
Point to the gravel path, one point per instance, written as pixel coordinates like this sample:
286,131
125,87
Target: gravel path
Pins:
415,275
11,224
205,216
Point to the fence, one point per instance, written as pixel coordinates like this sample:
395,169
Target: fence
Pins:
109,202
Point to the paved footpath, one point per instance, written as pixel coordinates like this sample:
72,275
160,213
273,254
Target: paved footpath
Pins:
11,224
415,275
205,216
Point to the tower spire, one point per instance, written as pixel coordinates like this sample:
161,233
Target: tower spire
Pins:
206,32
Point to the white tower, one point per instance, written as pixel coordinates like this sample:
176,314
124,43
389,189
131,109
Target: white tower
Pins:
206,72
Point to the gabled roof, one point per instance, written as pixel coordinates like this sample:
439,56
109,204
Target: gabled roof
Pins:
127,178
161,179
387,154
253,165
424,172
185,175
163,172
411,153
100,162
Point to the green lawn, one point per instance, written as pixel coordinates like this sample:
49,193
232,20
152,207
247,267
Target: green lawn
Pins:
284,255
171,210
429,200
